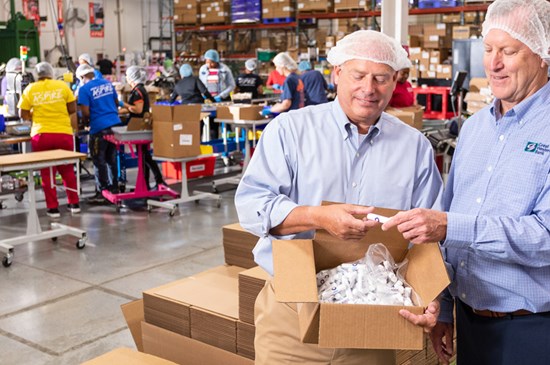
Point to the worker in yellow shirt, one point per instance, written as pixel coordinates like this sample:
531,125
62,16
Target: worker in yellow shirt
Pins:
51,107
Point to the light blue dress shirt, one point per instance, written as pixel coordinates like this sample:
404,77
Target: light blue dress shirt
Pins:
313,154
498,197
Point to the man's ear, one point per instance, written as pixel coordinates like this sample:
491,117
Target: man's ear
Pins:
337,71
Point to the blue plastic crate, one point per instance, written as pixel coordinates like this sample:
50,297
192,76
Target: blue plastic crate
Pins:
430,4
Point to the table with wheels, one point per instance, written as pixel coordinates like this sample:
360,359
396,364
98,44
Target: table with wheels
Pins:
172,205
246,125
24,146
30,162
141,189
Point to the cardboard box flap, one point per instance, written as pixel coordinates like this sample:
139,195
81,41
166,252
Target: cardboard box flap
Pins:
188,112
308,318
362,328
426,271
287,288
133,313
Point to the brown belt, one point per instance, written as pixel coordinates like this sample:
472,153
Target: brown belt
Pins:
492,314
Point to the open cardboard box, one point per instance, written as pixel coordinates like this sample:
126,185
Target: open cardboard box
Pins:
239,112
296,263
411,115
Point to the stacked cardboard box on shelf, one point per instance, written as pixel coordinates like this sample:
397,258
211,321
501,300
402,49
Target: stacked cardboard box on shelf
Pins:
437,36
350,5
431,63
466,31
238,245
214,12
186,12
278,10
309,6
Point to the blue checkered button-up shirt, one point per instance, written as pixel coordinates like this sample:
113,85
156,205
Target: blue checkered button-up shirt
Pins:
498,198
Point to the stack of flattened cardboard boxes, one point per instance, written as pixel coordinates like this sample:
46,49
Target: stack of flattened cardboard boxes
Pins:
310,6
176,130
251,282
209,305
350,5
238,245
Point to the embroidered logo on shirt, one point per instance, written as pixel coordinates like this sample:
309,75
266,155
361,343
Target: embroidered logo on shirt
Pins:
538,148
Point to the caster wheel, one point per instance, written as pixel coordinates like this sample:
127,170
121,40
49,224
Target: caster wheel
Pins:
81,243
54,239
7,260
172,212
197,202
149,209
118,208
219,204
19,197
2,206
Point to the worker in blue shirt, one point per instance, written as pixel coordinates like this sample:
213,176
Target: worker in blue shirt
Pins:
496,230
346,151
315,85
292,96
97,100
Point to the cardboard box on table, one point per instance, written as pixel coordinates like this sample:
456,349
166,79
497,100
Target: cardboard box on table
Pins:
176,130
239,112
412,115
296,263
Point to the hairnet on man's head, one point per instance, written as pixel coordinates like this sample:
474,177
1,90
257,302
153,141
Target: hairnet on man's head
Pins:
528,21
304,66
186,70
136,74
251,64
212,55
369,45
14,65
44,69
83,70
85,57
283,59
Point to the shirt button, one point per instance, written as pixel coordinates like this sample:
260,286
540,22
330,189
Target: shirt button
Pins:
478,200
357,155
463,295
490,168
354,184
461,263
371,142
501,138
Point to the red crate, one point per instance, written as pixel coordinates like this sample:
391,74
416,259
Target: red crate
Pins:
200,167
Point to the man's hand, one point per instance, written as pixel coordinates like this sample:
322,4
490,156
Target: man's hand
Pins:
427,320
339,220
419,225
442,341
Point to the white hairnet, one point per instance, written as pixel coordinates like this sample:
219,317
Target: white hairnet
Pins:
14,65
251,64
528,21
44,69
369,45
85,57
84,69
136,74
284,60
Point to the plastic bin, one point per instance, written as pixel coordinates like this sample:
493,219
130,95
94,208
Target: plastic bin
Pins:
201,167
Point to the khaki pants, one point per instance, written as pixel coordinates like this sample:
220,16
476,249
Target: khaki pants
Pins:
277,340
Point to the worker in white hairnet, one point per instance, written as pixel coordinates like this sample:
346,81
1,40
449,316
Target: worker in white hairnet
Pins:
51,107
495,230
86,59
292,96
347,151
249,81
138,105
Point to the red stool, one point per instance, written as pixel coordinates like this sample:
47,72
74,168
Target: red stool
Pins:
444,91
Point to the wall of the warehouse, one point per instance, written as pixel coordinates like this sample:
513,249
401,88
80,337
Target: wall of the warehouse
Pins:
139,20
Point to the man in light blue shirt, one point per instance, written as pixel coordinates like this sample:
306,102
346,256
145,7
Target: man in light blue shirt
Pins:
497,230
345,151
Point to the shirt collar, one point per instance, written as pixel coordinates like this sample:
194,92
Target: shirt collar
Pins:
344,123
526,105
